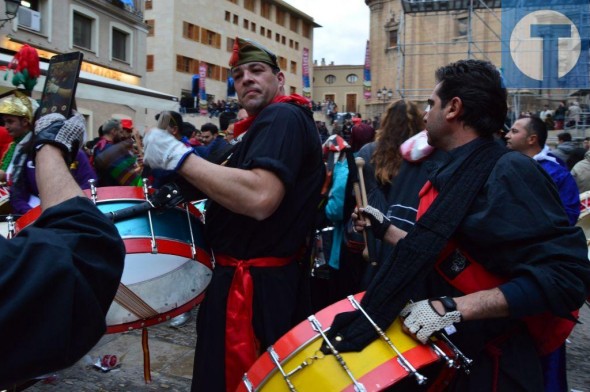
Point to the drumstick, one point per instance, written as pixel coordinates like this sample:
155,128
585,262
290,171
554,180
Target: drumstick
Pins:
369,236
360,164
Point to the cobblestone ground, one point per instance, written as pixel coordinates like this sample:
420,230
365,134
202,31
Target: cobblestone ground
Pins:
172,359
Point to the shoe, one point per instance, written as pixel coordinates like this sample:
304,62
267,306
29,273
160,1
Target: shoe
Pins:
180,320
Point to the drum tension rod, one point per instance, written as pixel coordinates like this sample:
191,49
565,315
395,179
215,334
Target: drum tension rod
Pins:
358,387
466,362
277,361
420,379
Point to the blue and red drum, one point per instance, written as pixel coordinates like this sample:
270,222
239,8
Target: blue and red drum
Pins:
167,266
295,361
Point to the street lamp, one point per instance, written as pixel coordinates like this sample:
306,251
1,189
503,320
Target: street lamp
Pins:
11,10
384,94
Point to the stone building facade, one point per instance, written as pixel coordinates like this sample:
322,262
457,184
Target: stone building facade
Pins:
111,34
186,33
343,84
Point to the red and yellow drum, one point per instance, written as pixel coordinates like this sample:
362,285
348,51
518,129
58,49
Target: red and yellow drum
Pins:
167,265
377,367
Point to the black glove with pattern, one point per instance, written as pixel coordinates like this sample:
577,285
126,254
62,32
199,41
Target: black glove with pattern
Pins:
379,222
68,134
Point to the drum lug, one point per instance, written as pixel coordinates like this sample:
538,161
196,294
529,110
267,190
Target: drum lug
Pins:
11,229
247,383
315,324
277,361
92,190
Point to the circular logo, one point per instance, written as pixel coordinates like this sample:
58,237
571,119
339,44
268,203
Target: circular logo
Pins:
527,51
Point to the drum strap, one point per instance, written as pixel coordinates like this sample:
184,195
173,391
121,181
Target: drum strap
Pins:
241,346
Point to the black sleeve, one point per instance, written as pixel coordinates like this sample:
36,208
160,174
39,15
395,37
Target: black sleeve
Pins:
58,278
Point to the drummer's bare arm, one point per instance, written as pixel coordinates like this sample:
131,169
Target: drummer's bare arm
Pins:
483,304
256,193
53,177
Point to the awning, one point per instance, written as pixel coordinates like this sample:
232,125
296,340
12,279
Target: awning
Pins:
97,88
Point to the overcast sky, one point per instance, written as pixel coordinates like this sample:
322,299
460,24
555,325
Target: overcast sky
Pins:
344,32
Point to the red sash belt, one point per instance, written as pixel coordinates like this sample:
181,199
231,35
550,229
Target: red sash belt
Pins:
240,342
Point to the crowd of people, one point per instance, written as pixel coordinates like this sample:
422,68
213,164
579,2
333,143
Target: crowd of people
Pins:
464,226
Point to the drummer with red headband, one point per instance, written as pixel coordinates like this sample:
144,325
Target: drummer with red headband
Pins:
261,207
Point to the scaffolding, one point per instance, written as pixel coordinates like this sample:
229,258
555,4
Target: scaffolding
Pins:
486,15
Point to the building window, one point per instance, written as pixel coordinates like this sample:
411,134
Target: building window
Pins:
462,26
294,23
282,62
393,38
249,5
330,79
296,45
190,31
148,4
265,10
253,27
210,38
293,90
83,27
294,67
269,34
187,64
236,19
246,24
277,37
352,78
283,39
151,24
227,16
262,31
280,16
233,1
306,29
120,45
149,63
230,44
391,29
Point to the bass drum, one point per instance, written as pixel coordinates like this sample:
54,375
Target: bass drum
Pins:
296,359
167,265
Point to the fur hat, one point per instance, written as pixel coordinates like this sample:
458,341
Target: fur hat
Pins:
247,51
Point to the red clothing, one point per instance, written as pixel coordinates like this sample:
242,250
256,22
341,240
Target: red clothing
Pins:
5,140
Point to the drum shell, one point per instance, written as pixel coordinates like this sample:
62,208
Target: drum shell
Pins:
376,367
162,282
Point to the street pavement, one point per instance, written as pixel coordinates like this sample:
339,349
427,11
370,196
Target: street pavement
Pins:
171,354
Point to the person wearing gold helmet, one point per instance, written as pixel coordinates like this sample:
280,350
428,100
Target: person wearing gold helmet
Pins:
17,111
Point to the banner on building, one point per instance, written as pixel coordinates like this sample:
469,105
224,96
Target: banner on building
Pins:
545,43
367,73
202,91
231,88
305,73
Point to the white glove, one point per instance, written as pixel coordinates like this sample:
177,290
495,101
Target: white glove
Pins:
161,150
422,320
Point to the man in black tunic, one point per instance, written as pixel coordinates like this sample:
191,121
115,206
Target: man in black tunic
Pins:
261,208
503,213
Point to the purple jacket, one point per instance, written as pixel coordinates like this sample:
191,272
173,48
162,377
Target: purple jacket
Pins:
20,194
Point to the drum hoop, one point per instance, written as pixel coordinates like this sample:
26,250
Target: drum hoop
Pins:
150,321
170,247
